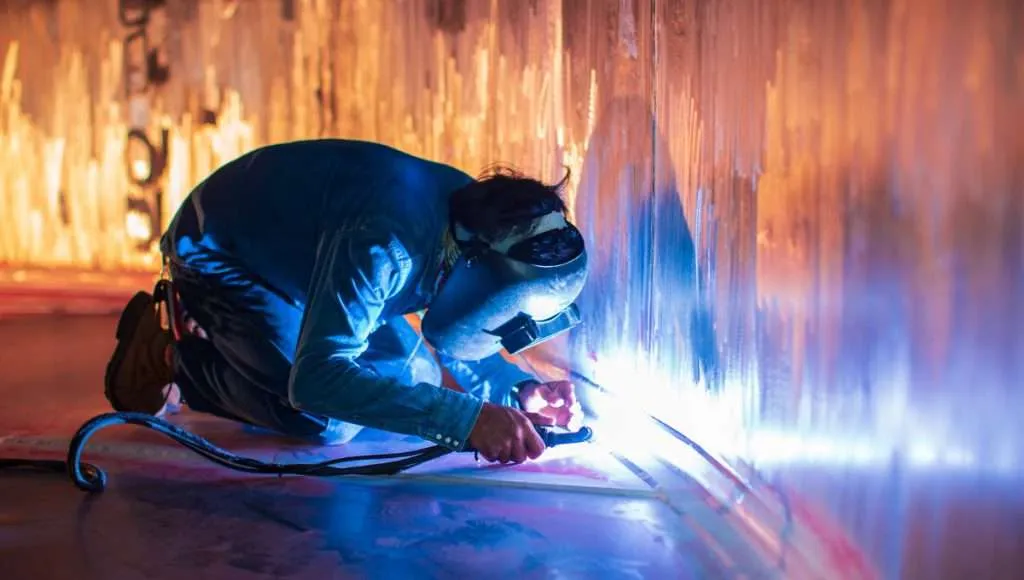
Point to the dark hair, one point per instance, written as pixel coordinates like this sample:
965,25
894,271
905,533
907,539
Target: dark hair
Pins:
502,199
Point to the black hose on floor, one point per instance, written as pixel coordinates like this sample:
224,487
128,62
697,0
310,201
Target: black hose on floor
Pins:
88,477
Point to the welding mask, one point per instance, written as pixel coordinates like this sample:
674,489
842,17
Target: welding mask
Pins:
515,292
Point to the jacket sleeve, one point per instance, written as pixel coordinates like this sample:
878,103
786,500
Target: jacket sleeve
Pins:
357,271
492,379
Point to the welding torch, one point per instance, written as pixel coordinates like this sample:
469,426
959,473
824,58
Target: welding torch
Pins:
553,438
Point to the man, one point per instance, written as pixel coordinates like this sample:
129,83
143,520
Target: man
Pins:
296,264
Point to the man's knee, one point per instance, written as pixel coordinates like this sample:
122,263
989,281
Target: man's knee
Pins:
423,368
339,432
397,351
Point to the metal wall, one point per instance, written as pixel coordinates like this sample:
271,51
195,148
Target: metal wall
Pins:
806,217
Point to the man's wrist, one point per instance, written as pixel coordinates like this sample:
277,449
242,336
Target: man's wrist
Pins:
516,391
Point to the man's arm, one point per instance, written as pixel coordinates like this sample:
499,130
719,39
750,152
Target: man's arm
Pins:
493,379
356,272
501,382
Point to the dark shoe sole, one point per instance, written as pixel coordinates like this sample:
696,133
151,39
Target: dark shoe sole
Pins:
126,327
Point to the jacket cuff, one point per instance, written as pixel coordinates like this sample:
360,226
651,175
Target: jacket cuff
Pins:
453,419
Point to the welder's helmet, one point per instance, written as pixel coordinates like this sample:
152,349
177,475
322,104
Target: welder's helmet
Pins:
515,292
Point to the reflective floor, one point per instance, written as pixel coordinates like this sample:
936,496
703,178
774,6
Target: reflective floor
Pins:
579,513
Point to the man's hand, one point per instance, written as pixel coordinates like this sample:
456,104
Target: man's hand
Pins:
504,434
555,403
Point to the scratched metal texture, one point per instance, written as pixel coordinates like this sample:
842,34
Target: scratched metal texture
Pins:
169,514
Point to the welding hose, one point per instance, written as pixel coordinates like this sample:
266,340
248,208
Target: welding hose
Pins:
88,477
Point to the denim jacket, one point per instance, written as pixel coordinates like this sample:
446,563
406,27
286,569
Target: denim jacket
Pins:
351,232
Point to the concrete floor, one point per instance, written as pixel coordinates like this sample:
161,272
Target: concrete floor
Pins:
578,513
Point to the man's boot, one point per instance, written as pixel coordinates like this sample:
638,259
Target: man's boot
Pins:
139,372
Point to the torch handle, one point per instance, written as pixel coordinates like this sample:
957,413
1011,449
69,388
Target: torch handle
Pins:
554,438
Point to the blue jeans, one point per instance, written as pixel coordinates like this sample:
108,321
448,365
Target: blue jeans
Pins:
242,371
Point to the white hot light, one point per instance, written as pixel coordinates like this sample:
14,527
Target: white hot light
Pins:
636,392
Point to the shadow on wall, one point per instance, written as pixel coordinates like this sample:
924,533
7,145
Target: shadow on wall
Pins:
642,297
